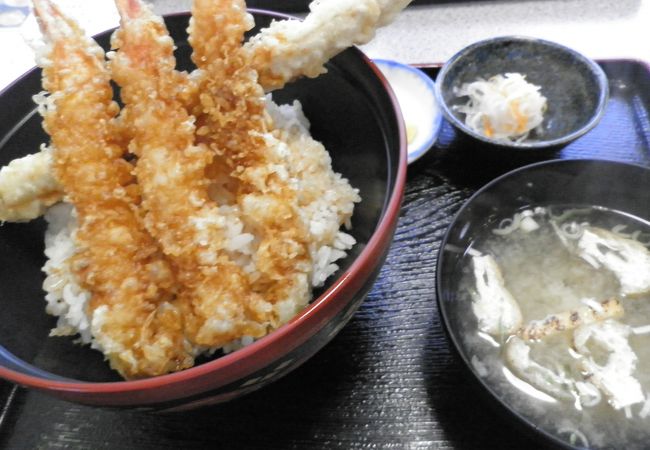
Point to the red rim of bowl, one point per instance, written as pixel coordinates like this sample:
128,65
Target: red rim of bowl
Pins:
360,265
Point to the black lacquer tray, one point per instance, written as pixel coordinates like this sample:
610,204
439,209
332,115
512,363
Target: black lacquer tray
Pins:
390,378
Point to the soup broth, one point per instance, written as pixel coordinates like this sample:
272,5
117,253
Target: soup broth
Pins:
544,265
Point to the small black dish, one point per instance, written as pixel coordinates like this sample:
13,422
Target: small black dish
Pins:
575,87
613,185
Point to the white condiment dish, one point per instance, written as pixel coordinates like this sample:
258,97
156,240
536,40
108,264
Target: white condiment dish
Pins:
415,92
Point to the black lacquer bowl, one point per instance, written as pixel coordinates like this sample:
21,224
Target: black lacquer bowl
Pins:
352,111
575,87
613,185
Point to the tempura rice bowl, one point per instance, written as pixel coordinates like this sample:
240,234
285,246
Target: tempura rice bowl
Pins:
352,111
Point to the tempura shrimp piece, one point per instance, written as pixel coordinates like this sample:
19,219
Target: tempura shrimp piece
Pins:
28,187
627,258
227,21
289,49
569,320
496,310
218,303
283,52
615,377
133,319
234,123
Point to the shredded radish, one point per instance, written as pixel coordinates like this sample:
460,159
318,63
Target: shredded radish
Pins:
505,107
520,221
479,366
588,394
645,410
645,329
574,436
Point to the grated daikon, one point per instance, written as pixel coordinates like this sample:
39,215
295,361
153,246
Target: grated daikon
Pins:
505,107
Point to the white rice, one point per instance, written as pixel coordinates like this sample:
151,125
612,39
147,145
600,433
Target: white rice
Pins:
326,198
65,298
326,202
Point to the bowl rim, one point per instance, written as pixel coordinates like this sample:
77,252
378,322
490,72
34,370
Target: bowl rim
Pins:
363,263
436,125
447,326
597,115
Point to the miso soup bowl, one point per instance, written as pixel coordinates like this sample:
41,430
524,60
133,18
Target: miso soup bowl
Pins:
609,184
352,111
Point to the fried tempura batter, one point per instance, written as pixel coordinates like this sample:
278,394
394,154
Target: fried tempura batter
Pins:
287,50
218,303
234,123
190,222
28,187
133,286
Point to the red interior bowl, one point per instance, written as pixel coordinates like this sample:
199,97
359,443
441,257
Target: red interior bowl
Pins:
352,111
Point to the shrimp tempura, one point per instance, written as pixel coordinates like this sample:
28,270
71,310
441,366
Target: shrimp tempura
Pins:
28,187
289,49
134,319
218,303
285,51
234,123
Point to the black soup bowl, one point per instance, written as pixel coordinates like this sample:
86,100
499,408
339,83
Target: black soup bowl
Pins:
352,111
575,87
616,186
